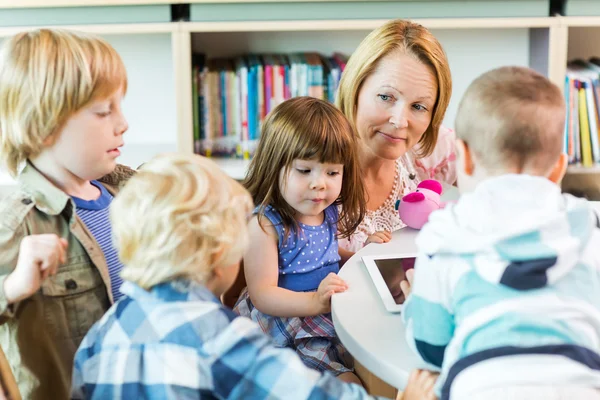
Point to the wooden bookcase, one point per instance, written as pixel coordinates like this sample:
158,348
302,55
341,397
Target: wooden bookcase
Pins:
158,54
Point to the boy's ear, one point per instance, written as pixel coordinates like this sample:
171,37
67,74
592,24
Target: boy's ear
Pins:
465,157
217,272
49,140
559,170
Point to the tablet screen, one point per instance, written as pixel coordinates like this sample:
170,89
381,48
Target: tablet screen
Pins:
392,271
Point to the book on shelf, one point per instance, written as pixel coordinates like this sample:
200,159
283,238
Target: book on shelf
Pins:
233,96
582,95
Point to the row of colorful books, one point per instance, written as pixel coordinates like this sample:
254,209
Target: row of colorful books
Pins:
582,93
232,96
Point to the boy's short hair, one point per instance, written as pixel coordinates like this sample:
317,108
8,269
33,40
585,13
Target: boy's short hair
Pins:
513,117
47,75
179,217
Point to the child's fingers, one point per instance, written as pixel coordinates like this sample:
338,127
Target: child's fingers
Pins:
64,245
427,380
334,279
338,281
410,275
405,288
337,288
328,294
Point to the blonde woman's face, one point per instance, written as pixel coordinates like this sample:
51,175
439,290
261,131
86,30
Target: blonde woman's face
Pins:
395,105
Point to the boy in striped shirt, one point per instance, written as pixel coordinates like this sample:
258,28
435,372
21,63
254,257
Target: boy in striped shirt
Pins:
506,293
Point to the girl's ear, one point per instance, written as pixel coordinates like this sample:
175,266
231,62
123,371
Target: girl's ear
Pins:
464,160
559,169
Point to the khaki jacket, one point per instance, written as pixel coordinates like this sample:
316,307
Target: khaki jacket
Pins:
40,335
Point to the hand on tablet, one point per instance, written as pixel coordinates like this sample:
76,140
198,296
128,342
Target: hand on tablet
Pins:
379,237
407,284
328,286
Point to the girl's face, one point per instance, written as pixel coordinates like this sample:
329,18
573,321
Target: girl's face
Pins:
395,105
310,187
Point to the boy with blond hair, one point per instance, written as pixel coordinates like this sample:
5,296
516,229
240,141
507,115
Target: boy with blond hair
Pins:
506,291
61,126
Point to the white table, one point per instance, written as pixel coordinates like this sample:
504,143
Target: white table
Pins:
374,336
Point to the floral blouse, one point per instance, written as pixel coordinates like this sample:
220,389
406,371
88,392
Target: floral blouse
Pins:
440,165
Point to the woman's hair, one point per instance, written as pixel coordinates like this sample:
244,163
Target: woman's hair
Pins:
403,37
46,76
306,128
180,216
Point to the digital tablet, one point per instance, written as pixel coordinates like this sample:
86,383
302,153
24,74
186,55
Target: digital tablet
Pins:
387,271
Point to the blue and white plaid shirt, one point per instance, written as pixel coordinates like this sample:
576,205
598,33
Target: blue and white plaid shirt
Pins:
178,342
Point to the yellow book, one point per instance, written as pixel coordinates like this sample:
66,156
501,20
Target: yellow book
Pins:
586,144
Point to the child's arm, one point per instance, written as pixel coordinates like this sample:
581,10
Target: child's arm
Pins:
426,312
261,270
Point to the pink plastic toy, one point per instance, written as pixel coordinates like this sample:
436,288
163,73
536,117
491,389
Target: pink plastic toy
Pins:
415,207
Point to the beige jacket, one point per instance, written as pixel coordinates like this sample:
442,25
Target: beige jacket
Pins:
40,335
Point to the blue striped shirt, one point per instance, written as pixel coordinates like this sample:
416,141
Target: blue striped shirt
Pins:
94,214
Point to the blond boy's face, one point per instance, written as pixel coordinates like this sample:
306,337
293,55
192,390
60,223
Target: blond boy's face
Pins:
89,143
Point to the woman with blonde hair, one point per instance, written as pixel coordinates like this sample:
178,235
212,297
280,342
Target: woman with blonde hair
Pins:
395,90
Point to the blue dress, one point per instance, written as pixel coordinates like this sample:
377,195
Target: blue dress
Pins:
306,256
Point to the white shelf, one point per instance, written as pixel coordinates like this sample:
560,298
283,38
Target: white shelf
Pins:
361,24
101,29
80,3
580,170
580,21
235,168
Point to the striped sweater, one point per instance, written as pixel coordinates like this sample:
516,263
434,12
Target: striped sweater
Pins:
507,289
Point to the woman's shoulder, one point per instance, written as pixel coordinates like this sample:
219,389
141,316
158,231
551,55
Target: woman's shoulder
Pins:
441,163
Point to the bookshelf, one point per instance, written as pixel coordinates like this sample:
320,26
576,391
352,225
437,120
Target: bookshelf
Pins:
158,54
580,42
499,41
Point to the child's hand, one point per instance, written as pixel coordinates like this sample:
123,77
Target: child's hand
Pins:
407,284
39,257
420,386
379,237
328,286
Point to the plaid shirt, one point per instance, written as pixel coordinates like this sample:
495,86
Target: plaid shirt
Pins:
178,341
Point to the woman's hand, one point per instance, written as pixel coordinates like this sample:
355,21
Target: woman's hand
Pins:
379,237
328,286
